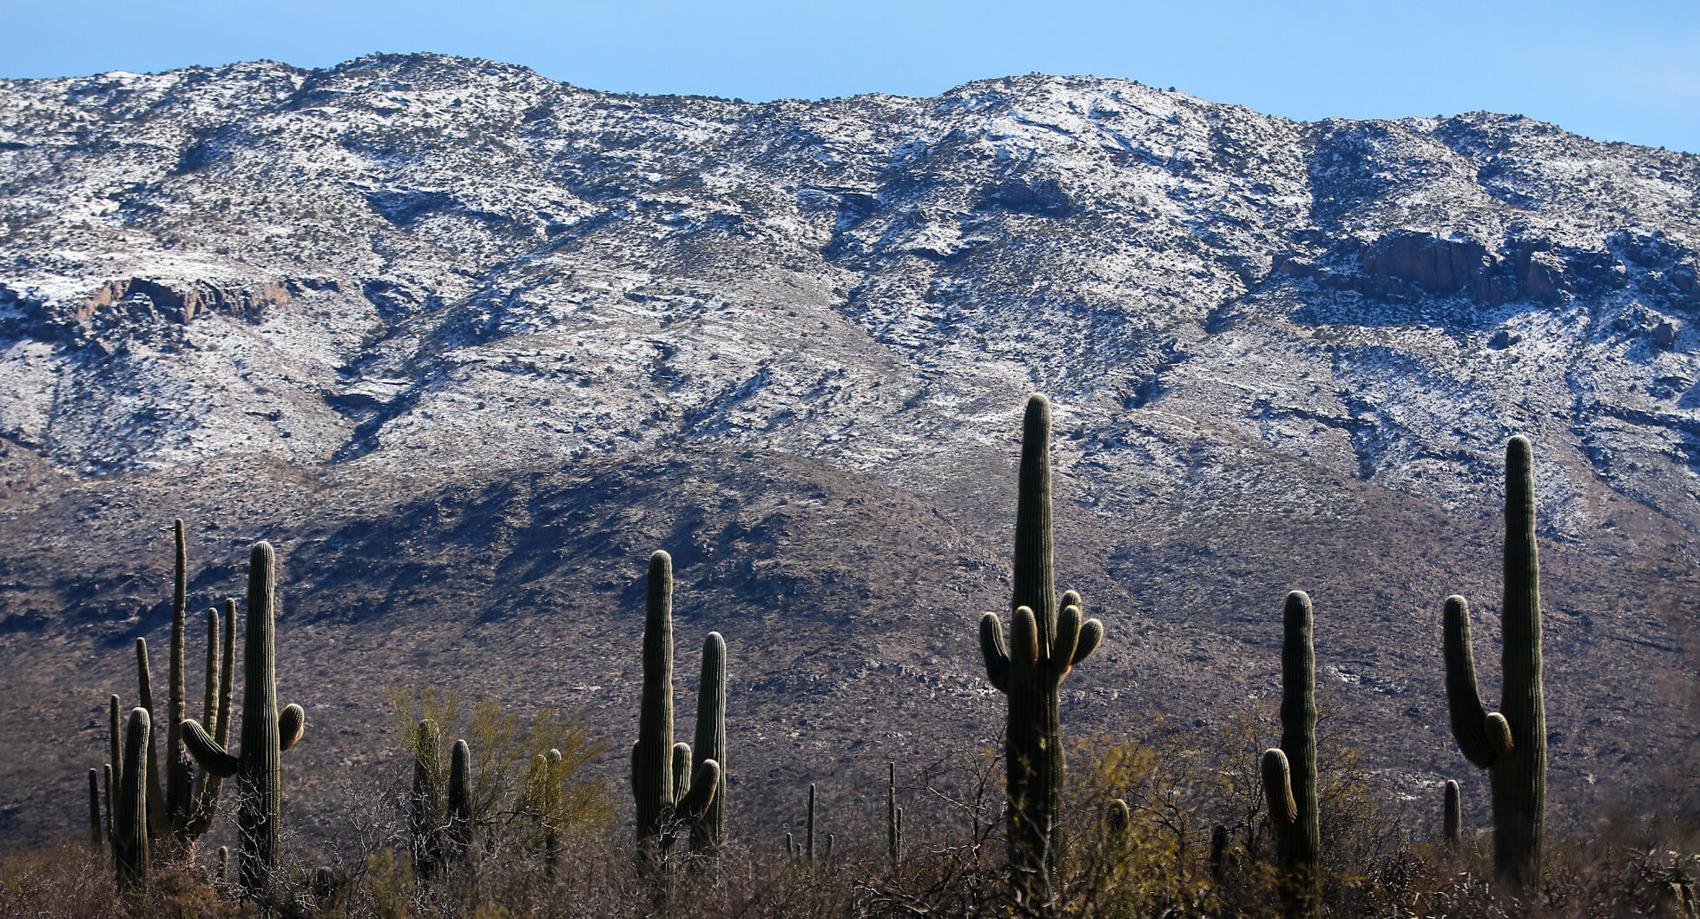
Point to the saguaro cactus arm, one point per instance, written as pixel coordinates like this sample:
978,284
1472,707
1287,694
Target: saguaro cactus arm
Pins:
1278,789
208,752
705,781
1463,698
993,651
681,770
291,725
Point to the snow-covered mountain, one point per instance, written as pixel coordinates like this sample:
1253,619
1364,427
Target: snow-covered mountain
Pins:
468,342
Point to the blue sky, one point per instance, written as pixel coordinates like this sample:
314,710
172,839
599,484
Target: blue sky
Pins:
1625,71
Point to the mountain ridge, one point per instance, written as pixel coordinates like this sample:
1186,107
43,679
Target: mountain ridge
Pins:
362,309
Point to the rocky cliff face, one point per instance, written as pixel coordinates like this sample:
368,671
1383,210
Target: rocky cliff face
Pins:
468,343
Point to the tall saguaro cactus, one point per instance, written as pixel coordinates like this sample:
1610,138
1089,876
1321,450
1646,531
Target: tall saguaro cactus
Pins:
181,803
266,733
1289,771
459,836
709,744
660,800
179,778
425,803
130,823
95,833
1511,744
1047,638
893,818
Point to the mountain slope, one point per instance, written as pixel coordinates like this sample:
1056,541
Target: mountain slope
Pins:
468,343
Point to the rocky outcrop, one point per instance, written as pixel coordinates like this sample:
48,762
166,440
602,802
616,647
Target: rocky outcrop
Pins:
182,301
1409,265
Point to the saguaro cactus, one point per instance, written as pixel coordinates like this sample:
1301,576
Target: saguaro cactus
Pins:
425,803
181,803
1047,638
1289,771
130,832
809,828
660,800
1218,854
215,713
266,733
709,744
893,818
460,828
1510,743
1452,823
95,833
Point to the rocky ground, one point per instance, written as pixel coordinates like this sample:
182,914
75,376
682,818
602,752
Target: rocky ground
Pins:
468,343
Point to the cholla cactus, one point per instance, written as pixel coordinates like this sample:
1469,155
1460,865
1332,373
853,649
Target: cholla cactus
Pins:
1510,743
1047,638
266,733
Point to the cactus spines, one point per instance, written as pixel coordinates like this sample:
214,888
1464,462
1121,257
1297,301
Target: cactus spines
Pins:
425,801
130,838
95,833
266,733
1451,827
661,798
1046,639
459,805
893,825
1510,743
1289,771
709,743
